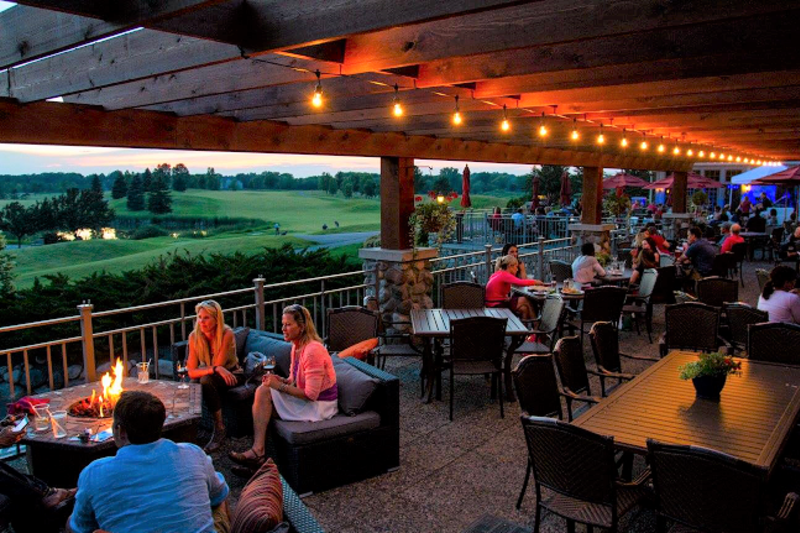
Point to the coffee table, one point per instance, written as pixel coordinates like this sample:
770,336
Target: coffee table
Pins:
59,461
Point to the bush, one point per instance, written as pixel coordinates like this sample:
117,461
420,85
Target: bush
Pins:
516,203
148,232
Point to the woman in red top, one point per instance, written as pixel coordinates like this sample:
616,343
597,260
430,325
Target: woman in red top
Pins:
499,287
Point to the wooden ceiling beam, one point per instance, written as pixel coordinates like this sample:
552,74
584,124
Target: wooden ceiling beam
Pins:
68,124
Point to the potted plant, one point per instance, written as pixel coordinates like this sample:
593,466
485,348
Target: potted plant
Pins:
432,217
709,373
617,205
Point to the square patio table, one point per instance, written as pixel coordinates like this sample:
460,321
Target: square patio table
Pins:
434,324
752,420
60,461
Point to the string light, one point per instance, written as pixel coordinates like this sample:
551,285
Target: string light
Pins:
575,135
505,126
730,158
712,155
624,142
689,152
316,100
601,139
738,159
542,127
676,150
721,156
457,114
661,146
701,153
397,108
643,145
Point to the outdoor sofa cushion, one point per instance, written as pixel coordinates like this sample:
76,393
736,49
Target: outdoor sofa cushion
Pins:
260,506
359,350
300,433
355,387
240,340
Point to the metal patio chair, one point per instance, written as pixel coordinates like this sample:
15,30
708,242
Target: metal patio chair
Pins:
604,337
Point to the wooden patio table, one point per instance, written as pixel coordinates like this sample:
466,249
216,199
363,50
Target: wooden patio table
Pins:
751,421
59,461
434,325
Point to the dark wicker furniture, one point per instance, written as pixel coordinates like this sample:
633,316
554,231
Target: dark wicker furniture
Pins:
546,329
739,251
774,342
664,291
604,337
717,291
463,295
639,304
572,370
476,347
740,316
579,467
350,325
691,326
601,304
560,270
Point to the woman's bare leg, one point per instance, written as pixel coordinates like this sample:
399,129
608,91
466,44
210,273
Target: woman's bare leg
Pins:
262,412
524,309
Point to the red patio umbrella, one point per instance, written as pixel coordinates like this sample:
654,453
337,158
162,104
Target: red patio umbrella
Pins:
624,180
465,200
566,189
535,194
789,177
693,181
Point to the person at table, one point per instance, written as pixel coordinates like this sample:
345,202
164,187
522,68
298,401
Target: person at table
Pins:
511,249
212,361
772,219
586,266
152,483
662,245
757,223
35,506
519,220
700,254
309,394
648,257
498,289
724,232
780,297
790,224
733,238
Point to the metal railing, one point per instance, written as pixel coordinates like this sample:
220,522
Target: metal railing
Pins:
483,227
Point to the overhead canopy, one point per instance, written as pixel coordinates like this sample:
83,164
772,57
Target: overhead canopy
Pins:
788,177
624,180
233,75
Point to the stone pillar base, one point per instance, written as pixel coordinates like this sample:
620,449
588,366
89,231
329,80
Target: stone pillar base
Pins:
597,234
400,280
673,222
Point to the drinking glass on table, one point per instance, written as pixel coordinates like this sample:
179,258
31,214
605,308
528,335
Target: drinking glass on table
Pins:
183,373
41,420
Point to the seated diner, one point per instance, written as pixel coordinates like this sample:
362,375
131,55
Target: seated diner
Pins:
780,297
498,289
586,265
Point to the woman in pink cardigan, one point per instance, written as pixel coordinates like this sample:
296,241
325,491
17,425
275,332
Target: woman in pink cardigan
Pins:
499,287
309,394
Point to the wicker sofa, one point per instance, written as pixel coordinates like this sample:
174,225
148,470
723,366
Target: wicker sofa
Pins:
359,442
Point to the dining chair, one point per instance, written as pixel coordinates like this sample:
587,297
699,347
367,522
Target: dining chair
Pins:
740,315
717,291
664,291
703,490
579,468
775,342
739,251
560,270
574,375
604,337
463,295
691,326
346,326
639,304
546,328
601,303
476,347
723,265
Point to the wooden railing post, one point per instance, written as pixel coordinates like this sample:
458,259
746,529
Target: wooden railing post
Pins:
488,248
260,310
541,258
87,335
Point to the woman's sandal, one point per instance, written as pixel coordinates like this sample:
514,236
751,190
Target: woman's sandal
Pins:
241,458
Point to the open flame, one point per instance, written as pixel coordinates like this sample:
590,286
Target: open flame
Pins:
103,405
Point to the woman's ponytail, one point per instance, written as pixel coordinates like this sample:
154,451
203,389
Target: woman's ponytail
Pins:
769,288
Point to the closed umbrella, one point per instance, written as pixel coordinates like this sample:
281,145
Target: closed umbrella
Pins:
535,199
465,200
566,189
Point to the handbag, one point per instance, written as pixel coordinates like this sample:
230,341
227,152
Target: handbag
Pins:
254,366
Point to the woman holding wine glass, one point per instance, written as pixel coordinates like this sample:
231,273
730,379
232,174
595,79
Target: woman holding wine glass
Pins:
212,361
309,394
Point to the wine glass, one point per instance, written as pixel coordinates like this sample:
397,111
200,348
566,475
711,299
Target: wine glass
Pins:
183,372
268,364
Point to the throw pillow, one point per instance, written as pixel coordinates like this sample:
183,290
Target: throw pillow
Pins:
359,350
260,506
240,339
355,387
282,350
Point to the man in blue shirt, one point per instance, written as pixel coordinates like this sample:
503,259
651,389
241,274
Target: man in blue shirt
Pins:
152,484
700,253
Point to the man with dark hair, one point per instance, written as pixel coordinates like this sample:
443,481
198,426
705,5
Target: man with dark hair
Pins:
700,253
152,484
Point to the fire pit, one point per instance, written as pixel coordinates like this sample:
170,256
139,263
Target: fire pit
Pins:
101,406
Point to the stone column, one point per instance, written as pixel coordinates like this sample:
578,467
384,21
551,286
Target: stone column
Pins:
597,234
401,280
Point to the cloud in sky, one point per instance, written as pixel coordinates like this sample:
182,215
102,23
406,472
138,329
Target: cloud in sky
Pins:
29,159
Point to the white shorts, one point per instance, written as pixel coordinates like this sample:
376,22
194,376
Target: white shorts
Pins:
294,409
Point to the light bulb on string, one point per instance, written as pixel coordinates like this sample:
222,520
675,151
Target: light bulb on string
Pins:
701,153
712,155
624,142
676,150
575,135
643,145
457,114
542,127
601,139
738,159
690,152
661,147
316,99
730,158
505,125
397,108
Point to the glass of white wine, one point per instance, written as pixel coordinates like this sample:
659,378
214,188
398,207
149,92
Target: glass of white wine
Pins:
183,373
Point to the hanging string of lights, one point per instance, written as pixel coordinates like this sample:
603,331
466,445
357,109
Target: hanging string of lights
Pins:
397,110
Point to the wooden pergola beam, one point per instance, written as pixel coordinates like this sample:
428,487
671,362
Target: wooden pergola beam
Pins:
68,124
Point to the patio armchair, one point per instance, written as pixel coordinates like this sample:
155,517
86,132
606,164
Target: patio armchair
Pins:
602,303
560,270
546,329
723,265
350,325
463,295
701,490
639,304
739,251
604,337
574,376
741,315
664,291
774,342
692,326
476,347
717,291
578,466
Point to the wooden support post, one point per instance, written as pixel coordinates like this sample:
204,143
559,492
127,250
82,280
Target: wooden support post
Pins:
679,192
397,201
592,195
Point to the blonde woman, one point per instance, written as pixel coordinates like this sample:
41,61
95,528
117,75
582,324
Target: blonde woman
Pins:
498,288
309,394
212,361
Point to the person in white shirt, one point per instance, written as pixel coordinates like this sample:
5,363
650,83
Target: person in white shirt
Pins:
586,265
780,298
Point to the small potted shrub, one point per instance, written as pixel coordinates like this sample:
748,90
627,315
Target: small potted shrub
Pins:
709,373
